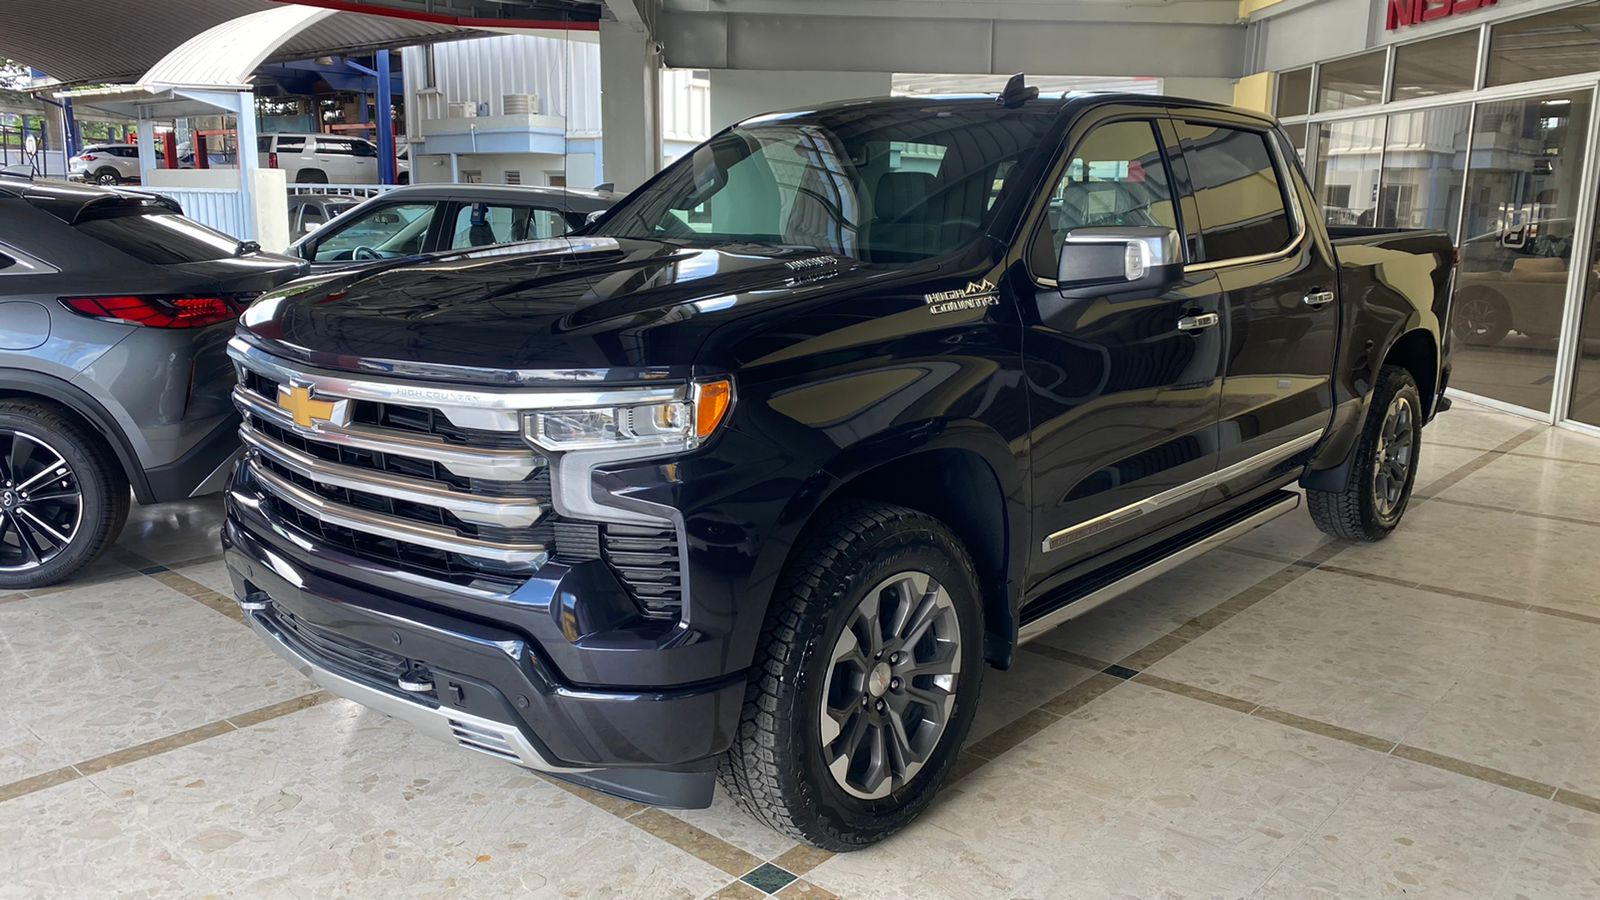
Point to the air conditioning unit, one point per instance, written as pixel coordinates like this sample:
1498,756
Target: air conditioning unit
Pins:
462,110
520,104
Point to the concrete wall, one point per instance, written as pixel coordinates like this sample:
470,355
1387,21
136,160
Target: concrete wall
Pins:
738,94
1219,90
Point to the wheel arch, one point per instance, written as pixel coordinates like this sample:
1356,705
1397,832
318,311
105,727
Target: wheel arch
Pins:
1416,349
78,404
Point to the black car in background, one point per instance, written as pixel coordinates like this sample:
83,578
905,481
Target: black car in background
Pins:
430,218
115,312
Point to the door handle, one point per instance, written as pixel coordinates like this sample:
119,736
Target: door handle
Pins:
1319,298
1196,323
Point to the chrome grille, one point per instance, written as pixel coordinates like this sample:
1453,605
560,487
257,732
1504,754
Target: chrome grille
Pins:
396,482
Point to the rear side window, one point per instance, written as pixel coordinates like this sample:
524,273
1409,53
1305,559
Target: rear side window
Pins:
158,238
291,144
1238,191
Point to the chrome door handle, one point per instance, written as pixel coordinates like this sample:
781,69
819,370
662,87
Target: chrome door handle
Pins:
1319,298
1195,323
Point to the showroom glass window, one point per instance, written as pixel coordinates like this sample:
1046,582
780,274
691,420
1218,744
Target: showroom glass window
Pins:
1349,83
1347,169
1424,155
1239,197
1563,42
1517,246
1441,65
903,185
1116,177
1586,381
1294,93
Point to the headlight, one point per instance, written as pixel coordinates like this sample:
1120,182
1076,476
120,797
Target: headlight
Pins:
648,428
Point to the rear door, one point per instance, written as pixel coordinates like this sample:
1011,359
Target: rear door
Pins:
1123,400
1281,312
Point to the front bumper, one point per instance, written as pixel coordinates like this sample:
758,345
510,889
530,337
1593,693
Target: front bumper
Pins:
492,690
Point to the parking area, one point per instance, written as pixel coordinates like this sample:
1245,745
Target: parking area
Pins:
1289,716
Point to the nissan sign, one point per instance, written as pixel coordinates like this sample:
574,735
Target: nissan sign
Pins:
1410,12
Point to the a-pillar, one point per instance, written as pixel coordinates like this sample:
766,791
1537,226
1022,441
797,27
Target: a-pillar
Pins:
630,105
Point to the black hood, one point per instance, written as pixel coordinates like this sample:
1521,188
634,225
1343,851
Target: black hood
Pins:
576,305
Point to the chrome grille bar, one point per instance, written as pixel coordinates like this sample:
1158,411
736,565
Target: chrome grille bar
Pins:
496,464
533,555
508,512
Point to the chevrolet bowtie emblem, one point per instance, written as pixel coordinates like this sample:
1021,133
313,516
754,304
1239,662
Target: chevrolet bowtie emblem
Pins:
296,399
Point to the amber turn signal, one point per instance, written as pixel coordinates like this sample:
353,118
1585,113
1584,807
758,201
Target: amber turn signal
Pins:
712,399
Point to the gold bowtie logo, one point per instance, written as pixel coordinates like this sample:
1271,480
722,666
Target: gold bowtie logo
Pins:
303,407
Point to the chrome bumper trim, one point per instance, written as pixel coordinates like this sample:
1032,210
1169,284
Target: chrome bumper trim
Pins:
487,463
507,512
486,736
534,555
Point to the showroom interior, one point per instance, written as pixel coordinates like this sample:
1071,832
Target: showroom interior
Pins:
1288,714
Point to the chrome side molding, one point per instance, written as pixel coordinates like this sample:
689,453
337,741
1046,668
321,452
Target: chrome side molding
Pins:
1169,496
1288,503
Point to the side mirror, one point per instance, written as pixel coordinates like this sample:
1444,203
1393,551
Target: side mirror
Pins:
594,217
309,227
1120,258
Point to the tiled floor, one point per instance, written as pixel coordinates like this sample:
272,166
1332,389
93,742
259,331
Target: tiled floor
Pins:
1286,717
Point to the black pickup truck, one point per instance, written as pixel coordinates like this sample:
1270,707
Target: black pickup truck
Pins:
755,475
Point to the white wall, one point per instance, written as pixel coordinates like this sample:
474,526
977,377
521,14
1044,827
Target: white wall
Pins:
1219,90
738,94
534,168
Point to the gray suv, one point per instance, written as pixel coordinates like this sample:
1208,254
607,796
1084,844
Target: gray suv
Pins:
115,311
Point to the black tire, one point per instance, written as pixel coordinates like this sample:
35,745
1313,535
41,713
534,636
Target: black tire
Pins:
101,485
403,178
776,769
108,176
311,176
1374,499
1481,318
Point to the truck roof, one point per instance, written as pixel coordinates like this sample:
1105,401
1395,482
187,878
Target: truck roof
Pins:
1062,103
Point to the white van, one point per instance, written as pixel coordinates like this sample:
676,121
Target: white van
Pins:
325,159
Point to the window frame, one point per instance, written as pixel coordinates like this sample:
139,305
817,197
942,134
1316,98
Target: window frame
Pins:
1154,117
430,235
1287,188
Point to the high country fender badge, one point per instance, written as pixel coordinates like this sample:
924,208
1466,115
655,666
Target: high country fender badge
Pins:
976,295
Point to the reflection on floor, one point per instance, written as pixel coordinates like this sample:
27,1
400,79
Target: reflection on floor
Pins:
1286,717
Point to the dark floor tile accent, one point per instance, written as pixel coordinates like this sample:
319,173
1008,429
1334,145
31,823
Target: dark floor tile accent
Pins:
198,592
1473,770
768,877
1039,648
154,748
1080,695
279,710
1196,693
1577,800
38,782
151,570
1312,726
700,844
1528,513
1118,671
1564,614
1007,736
1457,475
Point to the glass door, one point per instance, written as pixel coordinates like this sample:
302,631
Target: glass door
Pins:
1519,216
1585,406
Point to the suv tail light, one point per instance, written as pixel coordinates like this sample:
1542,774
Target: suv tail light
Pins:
159,312
87,157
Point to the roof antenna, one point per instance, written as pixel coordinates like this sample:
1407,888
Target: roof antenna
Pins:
1016,92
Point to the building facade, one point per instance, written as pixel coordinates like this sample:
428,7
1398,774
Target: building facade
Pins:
1477,117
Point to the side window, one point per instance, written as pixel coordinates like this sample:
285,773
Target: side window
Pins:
291,145
362,148
385,232
1238,191
1116,177
336,146
487,224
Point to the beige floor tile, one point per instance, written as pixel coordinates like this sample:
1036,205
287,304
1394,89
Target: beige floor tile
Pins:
1439,460
1560,443
1526,726
213,574
1517,558
1545,486
1411,830
1133,620
1468,425
1559,861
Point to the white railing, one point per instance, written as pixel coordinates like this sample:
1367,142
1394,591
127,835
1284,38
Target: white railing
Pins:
343,190
220,208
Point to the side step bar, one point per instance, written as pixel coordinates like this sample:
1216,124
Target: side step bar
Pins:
1286,501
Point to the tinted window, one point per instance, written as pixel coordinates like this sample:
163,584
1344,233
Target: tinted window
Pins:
1294,93
1116,178
486,224
336,146
1357,81
1437,66
901,184
1561,42
160,238
1239,198
291,144
384,232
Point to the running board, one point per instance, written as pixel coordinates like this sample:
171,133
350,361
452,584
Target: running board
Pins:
1286,501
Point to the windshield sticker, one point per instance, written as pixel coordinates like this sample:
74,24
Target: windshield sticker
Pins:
976,295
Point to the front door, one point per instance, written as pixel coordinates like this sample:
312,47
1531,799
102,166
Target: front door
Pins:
1281,314
1123,386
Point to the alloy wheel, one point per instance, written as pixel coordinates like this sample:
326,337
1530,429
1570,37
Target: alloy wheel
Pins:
41,502
1395,456
891,685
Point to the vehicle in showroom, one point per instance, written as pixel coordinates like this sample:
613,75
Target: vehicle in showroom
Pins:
755,474
115,312
1514,279
442,218
315,158
105,164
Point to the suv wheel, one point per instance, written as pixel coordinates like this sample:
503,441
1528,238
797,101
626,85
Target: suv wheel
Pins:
311,176
866,680
1385,467
109,177
62,498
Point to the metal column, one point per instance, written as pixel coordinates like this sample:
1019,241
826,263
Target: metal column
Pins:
386,167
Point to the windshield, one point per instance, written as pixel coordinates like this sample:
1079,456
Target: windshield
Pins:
880,185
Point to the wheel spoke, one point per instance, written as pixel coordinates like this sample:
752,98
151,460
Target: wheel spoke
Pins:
911,590
876,772
63,494
5,458
30,543
60,540
944,661
55,469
